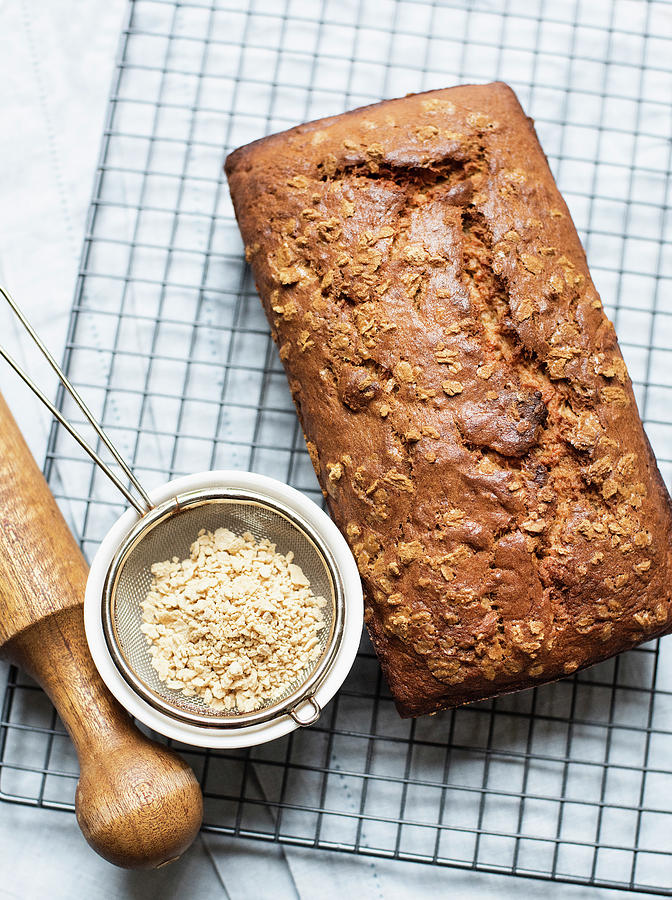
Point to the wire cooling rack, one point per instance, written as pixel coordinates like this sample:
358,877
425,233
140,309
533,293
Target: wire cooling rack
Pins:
570,782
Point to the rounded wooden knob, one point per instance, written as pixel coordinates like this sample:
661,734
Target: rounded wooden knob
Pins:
138,803
140,807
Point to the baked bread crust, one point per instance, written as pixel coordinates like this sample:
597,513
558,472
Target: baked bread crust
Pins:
464,400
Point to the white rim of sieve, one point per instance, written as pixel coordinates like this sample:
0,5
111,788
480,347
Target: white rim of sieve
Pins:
340,662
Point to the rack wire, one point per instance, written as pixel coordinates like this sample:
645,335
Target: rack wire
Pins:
570,782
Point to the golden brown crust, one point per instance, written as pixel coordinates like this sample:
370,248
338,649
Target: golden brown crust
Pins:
463,396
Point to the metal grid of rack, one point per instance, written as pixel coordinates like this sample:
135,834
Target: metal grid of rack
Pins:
570,782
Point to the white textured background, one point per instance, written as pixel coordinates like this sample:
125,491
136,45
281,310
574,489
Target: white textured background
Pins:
56,61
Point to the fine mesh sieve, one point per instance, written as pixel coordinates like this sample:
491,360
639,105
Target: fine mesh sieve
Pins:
163,526
169,531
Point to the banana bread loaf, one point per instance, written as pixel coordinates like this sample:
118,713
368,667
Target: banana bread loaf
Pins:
464,400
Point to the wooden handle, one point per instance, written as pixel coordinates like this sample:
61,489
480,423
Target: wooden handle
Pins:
138,803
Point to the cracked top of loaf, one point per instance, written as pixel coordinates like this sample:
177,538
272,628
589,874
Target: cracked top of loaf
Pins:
465,403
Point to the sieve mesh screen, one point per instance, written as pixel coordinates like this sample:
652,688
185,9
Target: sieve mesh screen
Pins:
172,537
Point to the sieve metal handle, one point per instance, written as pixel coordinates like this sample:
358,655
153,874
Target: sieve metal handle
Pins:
312,717
147,504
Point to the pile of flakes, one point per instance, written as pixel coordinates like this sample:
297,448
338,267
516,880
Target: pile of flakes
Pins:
235,624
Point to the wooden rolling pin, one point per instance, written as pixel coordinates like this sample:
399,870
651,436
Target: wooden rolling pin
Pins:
138,804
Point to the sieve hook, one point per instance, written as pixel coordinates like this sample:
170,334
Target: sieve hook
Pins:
143,507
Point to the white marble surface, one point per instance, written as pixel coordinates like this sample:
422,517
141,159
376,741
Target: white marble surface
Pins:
56,61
